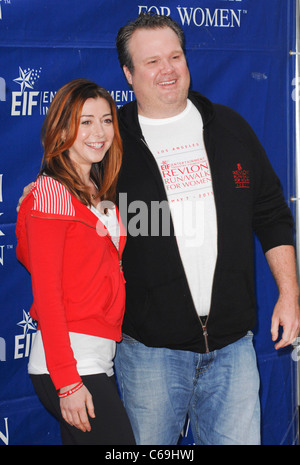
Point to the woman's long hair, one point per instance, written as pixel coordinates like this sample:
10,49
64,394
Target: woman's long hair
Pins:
59,132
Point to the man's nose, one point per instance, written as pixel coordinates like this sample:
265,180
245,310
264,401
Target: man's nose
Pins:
167,66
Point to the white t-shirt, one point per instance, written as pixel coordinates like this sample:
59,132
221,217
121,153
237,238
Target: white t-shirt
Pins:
178,147
111,223
93,354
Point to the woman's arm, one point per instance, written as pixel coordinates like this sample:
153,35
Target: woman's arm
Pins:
46,245
46,239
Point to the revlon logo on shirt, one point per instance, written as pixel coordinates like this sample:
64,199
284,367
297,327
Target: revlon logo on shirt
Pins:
241,178
185,174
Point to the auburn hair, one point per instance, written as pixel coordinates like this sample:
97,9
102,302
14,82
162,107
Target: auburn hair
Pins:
59,133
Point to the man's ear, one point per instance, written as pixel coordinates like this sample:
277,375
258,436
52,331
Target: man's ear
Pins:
128,74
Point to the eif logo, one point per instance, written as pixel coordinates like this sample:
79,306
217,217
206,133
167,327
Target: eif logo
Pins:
24,341
24,100
27,100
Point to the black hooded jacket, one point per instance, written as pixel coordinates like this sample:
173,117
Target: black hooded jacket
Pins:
248,197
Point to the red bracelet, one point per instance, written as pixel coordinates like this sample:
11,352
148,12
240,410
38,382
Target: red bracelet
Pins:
71,391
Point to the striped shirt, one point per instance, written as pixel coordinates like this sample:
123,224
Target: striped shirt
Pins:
52,197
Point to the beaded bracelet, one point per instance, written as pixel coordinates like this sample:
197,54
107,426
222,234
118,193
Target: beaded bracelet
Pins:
71,391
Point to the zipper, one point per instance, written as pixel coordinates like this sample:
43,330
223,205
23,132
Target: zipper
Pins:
117,250
203,321
143,140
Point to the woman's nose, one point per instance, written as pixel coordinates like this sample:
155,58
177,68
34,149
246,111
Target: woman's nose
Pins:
98,129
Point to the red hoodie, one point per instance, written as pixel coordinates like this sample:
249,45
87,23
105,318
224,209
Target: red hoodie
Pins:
76,273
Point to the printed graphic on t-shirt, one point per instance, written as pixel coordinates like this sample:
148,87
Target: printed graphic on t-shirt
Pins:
186,174
187,179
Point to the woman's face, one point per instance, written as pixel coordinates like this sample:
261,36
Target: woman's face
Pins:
95,134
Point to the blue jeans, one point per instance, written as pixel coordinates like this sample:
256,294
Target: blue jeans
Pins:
219,391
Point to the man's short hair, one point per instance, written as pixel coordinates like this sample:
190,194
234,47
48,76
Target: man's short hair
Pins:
143,21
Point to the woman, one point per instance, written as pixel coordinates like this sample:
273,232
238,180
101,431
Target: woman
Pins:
71,239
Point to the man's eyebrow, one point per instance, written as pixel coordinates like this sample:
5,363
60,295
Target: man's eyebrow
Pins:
179,51
151,57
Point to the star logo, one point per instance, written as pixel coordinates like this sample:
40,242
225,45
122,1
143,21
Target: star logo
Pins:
27,78
27,323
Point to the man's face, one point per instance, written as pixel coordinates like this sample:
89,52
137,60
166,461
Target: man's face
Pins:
160,78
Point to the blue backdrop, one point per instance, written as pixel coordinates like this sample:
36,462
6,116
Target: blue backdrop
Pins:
238,53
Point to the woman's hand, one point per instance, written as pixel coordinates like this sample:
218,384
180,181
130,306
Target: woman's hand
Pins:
76,407
26,191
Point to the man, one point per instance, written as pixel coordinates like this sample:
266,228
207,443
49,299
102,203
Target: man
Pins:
190,306
187,346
